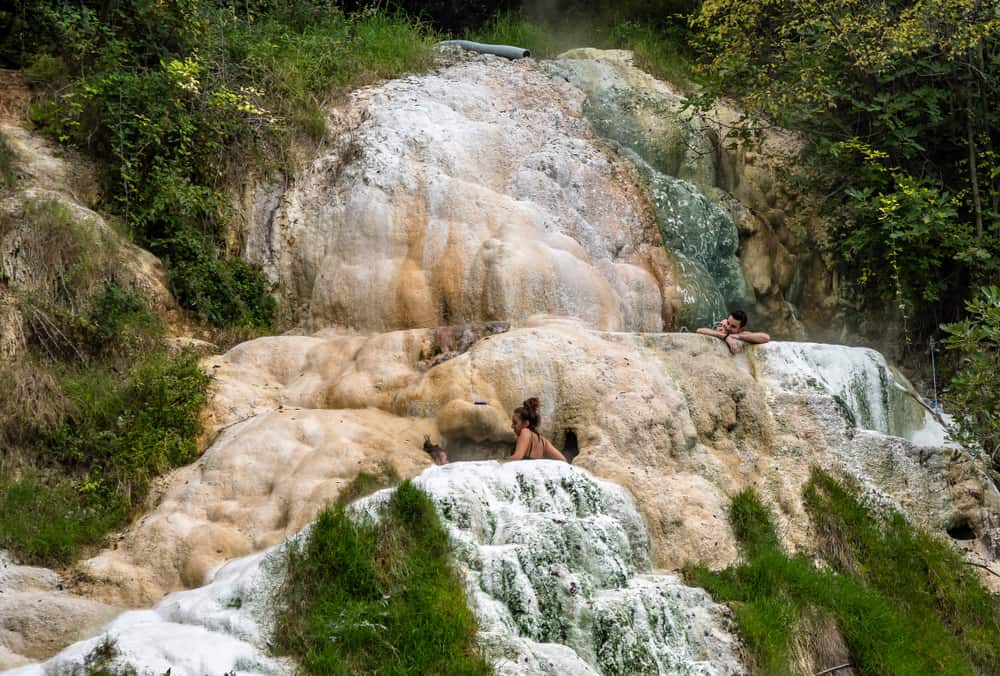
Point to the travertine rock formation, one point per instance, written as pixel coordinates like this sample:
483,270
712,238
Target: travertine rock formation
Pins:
494,190
673,418
38,618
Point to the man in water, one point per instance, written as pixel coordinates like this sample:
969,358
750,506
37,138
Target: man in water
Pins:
732,330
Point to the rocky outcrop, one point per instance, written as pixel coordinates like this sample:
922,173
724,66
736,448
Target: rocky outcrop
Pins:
673,418
781,241
494,190
476,192
37,617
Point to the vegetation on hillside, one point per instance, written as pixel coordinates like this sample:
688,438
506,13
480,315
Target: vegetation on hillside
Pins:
902,598
901,104
178,99
363,596
97,405
175,101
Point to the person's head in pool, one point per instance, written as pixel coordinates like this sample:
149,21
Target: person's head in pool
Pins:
526,416
531,445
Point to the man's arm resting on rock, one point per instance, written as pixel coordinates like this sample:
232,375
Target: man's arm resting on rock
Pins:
712,332
758,338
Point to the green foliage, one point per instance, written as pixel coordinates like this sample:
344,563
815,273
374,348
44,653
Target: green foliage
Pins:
913,568
751,522
902,104
175,98
377,597
101,662
225,291
126,429
46,518
298,57
973,391
366,483
905,234
95,410
659,50
106,437
901,597
659,47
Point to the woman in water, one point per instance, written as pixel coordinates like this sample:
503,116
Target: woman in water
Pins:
530,444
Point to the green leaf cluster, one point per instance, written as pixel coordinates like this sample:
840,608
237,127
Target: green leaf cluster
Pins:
973,391
180,100
92,413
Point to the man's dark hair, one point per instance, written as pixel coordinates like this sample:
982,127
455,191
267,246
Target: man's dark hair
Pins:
740,316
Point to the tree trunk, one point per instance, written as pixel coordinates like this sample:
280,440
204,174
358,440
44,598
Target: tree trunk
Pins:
973,174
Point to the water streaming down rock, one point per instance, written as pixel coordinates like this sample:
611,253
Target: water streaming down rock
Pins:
557,568
556,557
870,393
676,160
219,628
480,191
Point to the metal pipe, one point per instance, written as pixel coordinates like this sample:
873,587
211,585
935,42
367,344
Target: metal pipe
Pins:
506,51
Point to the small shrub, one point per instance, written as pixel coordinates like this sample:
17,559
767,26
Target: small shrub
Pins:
121,322
46,72
124,430
101,662
973,390
365,483
104,436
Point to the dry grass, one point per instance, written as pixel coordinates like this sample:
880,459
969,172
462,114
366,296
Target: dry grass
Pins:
818,644
59,257
33,401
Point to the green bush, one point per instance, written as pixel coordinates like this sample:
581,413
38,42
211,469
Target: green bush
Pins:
176,100
97,450
899,102
122,430
916,570
902,599
973,392
366,597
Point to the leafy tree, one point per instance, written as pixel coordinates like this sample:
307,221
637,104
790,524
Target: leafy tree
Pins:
901,101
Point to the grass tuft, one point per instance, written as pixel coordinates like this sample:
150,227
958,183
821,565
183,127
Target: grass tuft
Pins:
94,452
364,597
366,483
